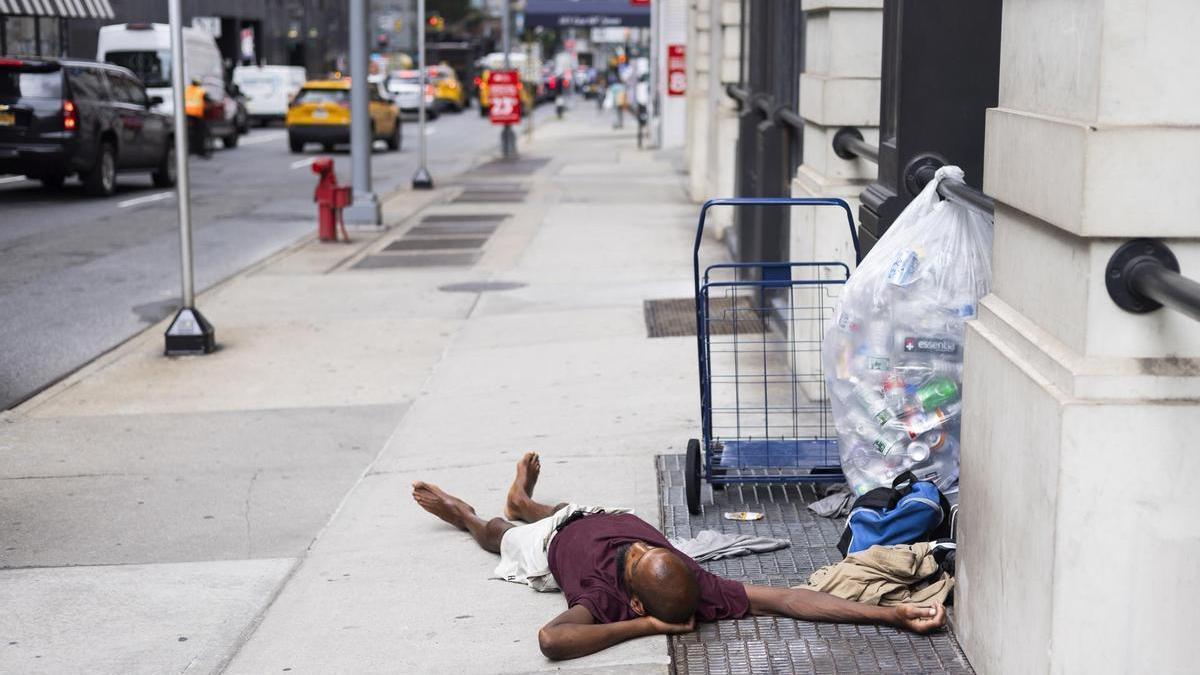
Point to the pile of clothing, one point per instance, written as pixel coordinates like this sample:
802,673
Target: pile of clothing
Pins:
890,575
898,543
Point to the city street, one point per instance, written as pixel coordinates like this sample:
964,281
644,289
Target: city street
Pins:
79,275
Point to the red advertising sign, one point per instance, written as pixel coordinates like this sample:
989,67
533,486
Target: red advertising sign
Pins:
504,96
676,70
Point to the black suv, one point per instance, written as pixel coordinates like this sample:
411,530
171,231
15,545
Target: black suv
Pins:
60,117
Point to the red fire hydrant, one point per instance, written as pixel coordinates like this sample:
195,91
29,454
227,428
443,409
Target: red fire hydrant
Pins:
331,198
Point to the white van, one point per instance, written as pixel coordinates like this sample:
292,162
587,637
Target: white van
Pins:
268,89
145,48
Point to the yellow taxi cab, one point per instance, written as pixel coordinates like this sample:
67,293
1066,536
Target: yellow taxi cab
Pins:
448,92
320,113
485,102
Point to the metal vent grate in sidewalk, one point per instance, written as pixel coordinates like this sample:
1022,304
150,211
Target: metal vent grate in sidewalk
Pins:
436,218
435,243
385,261
523,166
674,317
780,645
476,195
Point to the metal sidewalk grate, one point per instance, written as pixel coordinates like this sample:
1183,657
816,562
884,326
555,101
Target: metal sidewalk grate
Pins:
386,260
435,243
481,286
674,317
478,196
523,166
777,645
453,228
438,218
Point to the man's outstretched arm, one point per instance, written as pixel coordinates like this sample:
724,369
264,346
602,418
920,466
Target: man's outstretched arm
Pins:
802,603
575,633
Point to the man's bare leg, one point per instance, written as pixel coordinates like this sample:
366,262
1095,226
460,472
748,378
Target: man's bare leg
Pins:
487,533
520,504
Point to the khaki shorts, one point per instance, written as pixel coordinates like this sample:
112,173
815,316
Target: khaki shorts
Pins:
524,548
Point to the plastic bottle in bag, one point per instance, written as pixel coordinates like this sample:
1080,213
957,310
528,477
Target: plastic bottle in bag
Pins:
873,403
879,348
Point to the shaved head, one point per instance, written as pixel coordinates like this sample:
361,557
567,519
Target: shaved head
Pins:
666,586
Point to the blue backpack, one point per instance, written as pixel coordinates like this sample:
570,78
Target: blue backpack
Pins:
908,512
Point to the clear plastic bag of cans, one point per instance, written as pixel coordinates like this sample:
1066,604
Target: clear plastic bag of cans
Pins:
894,352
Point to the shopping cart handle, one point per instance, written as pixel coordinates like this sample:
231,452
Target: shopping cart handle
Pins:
768,201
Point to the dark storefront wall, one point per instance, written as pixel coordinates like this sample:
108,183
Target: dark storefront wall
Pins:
309,33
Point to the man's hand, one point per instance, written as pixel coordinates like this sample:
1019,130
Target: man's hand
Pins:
920,618
810,605
663,628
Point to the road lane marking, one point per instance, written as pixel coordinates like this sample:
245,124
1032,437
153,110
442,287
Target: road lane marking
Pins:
145,200
301,163
11,179
255,139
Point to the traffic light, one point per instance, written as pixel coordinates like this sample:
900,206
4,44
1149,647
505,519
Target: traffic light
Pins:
437,23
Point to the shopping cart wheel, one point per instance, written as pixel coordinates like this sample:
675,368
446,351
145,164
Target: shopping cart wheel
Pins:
692,476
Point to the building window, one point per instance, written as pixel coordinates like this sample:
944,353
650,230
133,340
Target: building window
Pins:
20,33
51,36
31,36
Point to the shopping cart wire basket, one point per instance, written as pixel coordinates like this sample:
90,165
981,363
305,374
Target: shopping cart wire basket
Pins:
765,416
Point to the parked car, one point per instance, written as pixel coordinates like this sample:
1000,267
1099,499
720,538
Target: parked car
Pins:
64,117
405,87
448,92
320,113
145,49
268,90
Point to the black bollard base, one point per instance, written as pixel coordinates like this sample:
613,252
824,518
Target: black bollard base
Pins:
190,334
422,180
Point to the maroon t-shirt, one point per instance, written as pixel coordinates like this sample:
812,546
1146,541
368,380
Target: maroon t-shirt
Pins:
583,559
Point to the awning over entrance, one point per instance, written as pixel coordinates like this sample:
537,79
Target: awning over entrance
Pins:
67,9
585,13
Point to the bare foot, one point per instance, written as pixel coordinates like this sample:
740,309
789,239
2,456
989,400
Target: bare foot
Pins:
436,501
529,468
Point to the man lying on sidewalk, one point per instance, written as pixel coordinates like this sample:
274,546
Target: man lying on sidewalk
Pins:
623,580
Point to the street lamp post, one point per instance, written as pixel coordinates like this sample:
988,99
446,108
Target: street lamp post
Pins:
421,179
189,332
364,210
508,139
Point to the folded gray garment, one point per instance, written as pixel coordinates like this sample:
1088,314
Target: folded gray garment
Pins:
713,545
837,501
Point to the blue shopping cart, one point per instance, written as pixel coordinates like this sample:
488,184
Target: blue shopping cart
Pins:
764,411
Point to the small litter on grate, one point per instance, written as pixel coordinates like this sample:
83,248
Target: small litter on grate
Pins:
511,167
675,317
780,645
433,244
481,286
388,260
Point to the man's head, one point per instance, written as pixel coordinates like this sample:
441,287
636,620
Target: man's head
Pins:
660,583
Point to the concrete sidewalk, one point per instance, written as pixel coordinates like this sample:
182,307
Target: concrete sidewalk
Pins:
250,510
